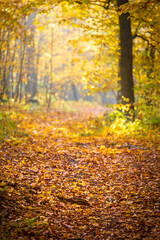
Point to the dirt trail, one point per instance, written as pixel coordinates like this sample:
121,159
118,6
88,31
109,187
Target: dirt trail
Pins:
57,161
94,111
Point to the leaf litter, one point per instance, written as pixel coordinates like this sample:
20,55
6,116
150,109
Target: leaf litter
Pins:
57,183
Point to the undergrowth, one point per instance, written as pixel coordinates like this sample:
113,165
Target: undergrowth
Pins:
112,123
7,125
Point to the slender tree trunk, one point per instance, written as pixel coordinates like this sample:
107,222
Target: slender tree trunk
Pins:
126,64
151,60
31,87
2,37
75,92
12,70
18,93
5,84
51,70
150,71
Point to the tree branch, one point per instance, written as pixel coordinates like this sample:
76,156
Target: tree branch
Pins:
136,31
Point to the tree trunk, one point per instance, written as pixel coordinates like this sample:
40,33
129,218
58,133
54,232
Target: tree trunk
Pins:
75,92
18,92
150,70
126,65
32,84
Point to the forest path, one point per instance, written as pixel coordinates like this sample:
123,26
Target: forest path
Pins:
63,156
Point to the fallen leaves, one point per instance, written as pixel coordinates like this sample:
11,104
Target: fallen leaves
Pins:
58,184
74,200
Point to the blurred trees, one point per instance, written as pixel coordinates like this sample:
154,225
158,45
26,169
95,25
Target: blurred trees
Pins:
72,49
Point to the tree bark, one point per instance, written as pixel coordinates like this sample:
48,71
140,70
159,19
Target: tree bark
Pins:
126,63
32,84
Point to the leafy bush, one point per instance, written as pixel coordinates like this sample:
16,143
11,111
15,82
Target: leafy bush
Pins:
7,125
146,124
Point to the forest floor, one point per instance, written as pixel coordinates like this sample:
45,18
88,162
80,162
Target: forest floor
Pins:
60,178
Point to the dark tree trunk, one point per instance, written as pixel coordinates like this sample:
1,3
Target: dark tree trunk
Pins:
126,65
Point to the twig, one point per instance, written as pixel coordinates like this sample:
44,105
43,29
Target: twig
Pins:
133,146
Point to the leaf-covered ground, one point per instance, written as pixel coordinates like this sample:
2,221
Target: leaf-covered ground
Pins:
56,156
